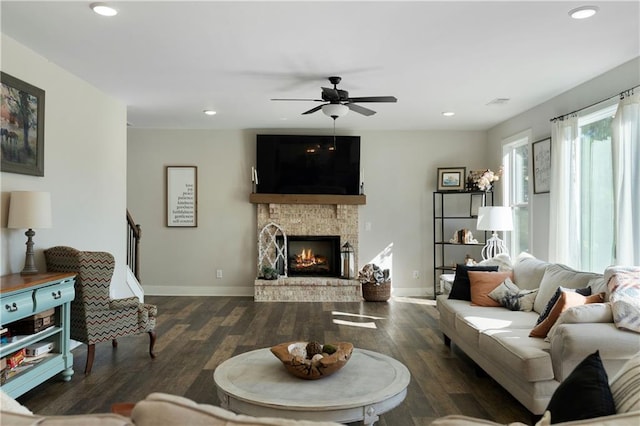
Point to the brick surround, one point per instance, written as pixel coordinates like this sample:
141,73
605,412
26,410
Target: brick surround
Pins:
314,220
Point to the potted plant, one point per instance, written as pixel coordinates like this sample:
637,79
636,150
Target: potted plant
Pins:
376,283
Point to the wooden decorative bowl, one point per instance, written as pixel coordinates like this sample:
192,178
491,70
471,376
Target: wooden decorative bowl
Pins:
293,356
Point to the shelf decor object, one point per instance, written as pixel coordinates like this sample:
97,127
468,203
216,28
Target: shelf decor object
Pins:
22,124
29,209
451,178
494,219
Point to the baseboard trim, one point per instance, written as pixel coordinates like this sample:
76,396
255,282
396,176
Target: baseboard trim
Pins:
178,290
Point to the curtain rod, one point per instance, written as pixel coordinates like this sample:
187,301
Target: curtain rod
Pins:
622,95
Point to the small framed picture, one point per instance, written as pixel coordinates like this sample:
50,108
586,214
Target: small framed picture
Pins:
477,201
541,166
451,178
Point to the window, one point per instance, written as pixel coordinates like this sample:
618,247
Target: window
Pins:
594,180
516,191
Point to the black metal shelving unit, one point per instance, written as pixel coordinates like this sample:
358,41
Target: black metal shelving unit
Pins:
441,243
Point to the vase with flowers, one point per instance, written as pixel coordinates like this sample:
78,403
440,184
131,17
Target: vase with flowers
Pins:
482,180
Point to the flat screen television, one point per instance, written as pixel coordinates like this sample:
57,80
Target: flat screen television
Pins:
296,164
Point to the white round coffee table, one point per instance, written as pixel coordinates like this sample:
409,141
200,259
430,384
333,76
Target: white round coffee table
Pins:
256,383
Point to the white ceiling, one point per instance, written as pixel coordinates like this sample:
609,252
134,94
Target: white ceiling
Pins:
170,60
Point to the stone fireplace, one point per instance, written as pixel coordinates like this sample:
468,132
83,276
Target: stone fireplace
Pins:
322,229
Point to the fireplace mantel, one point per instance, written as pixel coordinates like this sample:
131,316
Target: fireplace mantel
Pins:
307,199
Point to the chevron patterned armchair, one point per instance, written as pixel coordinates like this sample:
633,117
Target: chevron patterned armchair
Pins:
95,317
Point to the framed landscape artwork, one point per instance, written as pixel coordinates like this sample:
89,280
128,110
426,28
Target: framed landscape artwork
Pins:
451,178
21,127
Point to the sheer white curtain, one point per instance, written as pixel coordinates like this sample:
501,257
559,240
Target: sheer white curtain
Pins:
626,180
564,195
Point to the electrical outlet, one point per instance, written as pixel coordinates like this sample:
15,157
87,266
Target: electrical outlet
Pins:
416,275
219,273
367,226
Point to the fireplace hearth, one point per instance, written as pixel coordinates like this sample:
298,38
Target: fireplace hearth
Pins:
317,256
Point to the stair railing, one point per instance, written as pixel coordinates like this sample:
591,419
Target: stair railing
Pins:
134,234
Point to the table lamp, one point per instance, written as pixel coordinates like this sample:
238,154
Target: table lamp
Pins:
29,209
494,219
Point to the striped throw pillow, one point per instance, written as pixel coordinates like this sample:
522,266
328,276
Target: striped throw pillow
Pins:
625,386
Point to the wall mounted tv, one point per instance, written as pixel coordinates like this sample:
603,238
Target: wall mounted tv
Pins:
295,164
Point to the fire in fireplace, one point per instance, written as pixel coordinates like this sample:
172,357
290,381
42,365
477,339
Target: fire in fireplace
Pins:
313,256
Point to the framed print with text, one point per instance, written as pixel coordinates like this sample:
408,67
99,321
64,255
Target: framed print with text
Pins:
182,196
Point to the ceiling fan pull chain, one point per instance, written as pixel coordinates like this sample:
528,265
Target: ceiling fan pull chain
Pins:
334,133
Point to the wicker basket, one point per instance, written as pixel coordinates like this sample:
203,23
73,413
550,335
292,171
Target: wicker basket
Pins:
376,293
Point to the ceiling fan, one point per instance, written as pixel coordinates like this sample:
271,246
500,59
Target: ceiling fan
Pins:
338,102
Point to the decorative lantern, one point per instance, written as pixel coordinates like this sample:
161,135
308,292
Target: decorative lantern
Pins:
347,256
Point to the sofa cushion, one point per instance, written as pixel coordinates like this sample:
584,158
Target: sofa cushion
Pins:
483,283
557,275
509,295
624,285
566,300
590,313
514,350
528,271
164,409
585,394
461,288
470,322
625,386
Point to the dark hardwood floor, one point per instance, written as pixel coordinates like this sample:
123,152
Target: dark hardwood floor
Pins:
195,334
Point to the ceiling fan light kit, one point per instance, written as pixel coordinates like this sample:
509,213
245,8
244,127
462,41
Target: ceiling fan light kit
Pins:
338,103
335,110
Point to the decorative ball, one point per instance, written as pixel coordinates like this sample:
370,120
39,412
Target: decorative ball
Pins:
313,348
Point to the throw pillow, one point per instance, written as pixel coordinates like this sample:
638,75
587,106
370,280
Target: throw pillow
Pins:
624,286
584,394
502,261
593,312
545,313
482,283
556,275
625,386
510,296
566,300
461,287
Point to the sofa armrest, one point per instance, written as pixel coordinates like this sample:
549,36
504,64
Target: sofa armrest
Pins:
571,343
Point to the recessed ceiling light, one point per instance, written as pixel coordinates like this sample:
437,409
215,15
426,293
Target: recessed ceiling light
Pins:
583,12
103,9
448,113
209,112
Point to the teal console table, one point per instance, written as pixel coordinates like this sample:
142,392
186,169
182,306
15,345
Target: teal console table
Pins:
22,296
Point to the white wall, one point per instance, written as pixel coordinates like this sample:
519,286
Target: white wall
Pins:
85,166
400,174
537,121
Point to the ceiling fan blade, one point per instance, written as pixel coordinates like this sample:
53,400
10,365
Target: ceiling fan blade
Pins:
374,99
330,94
312,110
306,100
360,110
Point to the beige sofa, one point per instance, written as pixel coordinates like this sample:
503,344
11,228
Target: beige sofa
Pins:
497,339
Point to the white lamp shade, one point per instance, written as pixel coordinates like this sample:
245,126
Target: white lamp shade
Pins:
335,110
495,218
29,210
